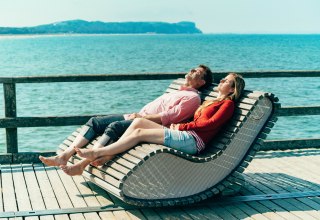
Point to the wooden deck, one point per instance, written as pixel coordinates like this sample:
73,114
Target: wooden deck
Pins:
279,185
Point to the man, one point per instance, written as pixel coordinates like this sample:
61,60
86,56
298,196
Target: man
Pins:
169,108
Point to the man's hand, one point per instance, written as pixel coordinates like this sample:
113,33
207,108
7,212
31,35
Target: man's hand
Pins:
174,126
134,115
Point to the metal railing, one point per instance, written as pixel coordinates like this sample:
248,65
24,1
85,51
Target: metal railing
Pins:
11,122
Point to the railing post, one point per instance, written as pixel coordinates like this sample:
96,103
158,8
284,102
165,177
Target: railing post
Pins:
9,90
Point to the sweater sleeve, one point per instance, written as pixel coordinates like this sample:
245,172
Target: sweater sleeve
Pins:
222,115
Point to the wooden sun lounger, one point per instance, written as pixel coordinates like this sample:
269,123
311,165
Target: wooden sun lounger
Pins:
155,175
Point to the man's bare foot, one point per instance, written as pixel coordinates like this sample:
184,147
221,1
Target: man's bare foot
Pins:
53,161
86,153
101,160
72,170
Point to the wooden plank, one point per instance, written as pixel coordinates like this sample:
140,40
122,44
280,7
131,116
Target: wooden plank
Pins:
32,218
124,162
9,197
288,204
78,216
91,215
252,212
58,187
119,167
35,195
93,195
150,214
72,190
121,215
49,197
201,213
20,188
61,217
99,173
104,184
47,217
135,214
173,213
107,216
236,211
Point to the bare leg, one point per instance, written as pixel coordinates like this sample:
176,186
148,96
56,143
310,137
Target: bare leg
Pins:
140,123
78,168
139,135
102,160
63,158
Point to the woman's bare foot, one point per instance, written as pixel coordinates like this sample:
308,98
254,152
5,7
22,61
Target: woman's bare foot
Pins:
90,154
72,170
54,160
101,160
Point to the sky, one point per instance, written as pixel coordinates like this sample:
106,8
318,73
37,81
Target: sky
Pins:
210,16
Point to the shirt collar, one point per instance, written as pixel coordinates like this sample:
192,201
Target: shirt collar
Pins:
185,88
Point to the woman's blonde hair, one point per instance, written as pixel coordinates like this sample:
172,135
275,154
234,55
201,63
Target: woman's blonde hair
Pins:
238,84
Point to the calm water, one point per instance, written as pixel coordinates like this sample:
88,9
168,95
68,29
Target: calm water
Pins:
98,54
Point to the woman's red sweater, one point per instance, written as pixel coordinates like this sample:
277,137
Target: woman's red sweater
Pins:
208,121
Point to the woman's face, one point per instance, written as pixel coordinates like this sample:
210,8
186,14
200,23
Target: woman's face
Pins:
226,85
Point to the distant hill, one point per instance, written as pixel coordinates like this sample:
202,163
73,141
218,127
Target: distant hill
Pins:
98,27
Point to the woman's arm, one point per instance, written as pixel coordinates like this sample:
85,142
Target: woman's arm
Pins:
221,116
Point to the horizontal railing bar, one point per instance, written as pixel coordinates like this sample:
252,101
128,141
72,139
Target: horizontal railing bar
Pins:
299,110
24,157
290,144
150,76
91,77
81,119
44,121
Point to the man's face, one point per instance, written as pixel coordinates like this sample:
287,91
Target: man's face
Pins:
195,77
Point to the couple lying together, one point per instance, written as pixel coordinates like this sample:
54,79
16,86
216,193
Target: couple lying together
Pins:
162,121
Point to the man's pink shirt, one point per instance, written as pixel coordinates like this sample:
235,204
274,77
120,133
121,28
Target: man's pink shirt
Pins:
173,107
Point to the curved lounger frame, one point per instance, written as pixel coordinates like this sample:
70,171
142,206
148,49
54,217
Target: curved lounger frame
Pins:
154,175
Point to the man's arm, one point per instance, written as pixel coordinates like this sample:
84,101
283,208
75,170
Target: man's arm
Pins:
155,117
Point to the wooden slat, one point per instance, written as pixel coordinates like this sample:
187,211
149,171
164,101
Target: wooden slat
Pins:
201,213
260,187
33,187
107,216
71,189
150,214
20,188
121,215
49,197
78,216
8,191
125,163
58,187
99,173
119,168
222,212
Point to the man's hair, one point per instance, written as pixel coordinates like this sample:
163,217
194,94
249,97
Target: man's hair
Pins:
208,76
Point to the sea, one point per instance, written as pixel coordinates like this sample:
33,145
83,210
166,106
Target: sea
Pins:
52,55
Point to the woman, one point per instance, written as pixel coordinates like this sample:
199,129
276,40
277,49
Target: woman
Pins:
188,137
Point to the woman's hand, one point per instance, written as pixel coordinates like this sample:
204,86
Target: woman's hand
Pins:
174,126
134,115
